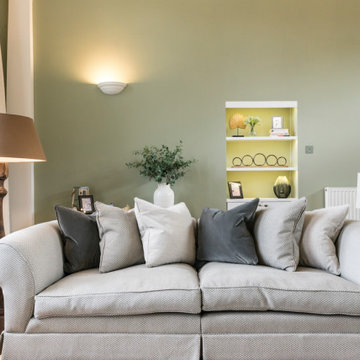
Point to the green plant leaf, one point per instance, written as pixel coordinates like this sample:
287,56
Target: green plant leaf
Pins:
160,163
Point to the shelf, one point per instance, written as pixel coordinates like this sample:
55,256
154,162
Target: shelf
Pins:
261,199
260,104
258,181
262,169
261,138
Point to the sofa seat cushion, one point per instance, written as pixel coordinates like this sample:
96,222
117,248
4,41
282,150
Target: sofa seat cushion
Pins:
237,287
131,324
276,322
135,290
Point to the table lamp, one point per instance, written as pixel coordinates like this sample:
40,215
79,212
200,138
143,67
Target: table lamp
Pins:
19,142
237,121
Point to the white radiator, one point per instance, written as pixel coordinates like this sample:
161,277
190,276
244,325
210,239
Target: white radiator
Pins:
335,196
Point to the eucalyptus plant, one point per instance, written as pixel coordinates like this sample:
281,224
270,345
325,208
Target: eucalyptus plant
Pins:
161,163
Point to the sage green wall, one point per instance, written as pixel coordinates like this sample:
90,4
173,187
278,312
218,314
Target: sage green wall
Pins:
183,60
3,31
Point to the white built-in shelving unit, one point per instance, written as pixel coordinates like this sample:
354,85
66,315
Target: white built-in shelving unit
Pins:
258,181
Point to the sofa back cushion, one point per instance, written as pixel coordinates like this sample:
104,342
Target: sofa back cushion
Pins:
167,234
348,250
277,234
120,242
226,236
80,239
320,231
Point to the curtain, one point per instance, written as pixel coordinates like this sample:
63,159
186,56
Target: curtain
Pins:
20,100
3,110
2,87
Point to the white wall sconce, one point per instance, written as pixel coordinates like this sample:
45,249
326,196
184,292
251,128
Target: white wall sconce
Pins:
112,87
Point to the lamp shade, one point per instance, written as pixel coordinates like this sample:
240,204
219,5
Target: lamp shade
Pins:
19,141
237,121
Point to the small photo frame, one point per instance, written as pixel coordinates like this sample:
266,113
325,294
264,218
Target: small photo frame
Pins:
277,122
235,190
86,204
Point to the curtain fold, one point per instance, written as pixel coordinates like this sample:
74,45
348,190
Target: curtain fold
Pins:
6,214
20,101
2,86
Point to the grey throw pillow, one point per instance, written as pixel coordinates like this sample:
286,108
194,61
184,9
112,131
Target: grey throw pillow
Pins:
120,243
277,233
317,244
225,236
80,239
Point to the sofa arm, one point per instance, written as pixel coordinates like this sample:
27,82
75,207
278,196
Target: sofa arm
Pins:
30,260
348,249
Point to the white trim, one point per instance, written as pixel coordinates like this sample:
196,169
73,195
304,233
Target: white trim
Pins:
260,104
261,199
262,138
249,168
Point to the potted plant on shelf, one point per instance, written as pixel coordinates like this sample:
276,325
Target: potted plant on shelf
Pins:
163,165
252,121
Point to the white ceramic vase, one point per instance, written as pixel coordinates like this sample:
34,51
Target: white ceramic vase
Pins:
164,196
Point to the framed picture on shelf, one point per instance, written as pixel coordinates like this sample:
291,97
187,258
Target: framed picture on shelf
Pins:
86,204
277,122
235,190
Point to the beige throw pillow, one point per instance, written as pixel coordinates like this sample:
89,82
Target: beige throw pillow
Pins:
320,231
120,243
277,233
168,234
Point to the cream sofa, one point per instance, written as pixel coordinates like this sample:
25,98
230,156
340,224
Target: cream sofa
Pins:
226,311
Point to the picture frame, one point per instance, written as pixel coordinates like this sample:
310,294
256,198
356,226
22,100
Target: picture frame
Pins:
277,122
235,190
86,204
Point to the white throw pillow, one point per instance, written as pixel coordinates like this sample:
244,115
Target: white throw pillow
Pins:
167,234
120,243
277,233
320,231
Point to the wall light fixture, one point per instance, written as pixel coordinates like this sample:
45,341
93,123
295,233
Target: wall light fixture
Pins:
112,87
